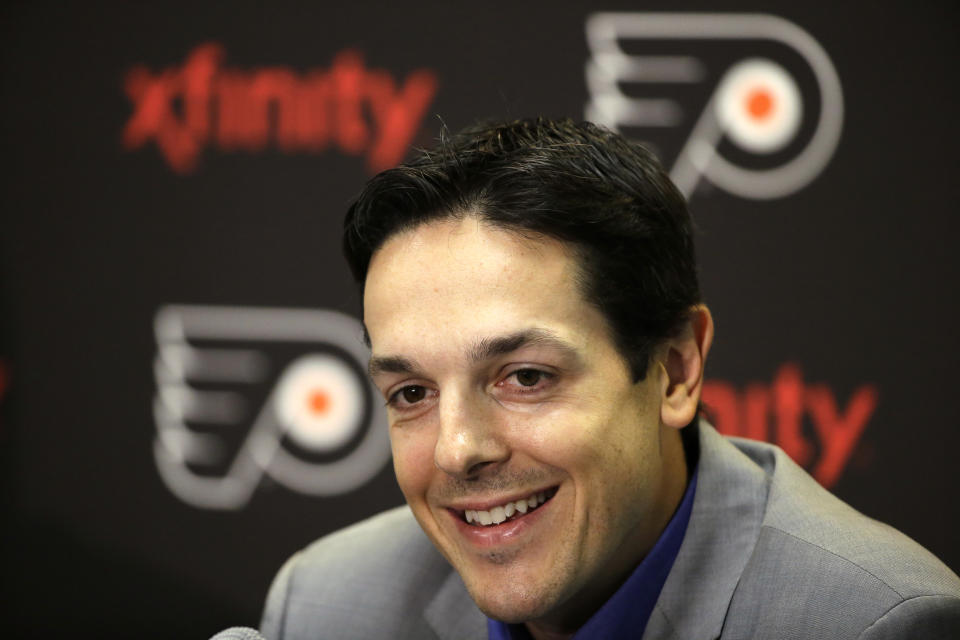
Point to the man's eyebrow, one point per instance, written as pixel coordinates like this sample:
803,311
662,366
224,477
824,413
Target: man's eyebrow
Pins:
484,349
492,347
390,364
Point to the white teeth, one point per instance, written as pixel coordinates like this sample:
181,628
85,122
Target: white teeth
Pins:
499,514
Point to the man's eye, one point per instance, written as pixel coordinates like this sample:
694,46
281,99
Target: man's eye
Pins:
528,377
409,395
413,394
527,381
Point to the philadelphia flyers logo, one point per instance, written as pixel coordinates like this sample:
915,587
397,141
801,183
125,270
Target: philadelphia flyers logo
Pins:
244,392
748,103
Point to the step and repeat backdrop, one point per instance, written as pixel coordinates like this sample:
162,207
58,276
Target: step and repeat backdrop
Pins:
182,396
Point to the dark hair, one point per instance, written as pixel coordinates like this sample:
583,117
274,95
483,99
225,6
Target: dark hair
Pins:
606,197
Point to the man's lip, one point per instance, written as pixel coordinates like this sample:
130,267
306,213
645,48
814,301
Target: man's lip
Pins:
508,532
485,504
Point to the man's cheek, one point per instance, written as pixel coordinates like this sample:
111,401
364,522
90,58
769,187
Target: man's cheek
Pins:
412,461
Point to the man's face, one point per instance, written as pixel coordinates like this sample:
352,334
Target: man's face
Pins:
507,397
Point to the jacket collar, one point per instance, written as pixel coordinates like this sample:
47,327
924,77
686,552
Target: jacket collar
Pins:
727,513
452,613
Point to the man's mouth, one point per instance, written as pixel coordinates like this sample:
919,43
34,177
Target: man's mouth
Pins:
508,510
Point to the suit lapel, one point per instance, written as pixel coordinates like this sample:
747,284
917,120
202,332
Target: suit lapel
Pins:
452,613
727,513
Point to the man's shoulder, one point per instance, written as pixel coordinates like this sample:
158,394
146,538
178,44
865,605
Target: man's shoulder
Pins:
801,514
381,573
392,535
818,560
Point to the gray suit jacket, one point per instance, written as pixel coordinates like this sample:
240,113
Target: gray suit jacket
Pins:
768,553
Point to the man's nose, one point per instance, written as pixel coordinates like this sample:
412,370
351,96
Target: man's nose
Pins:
469,439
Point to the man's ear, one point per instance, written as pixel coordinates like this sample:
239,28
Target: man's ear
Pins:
683,360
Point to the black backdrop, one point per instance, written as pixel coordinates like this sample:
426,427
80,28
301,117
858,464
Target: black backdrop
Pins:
126,189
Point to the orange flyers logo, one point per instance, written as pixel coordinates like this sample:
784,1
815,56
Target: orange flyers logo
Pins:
749,103
247,392
359,111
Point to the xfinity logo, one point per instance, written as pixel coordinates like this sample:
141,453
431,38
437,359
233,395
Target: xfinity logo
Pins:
244,392
747,102
806,420
357,110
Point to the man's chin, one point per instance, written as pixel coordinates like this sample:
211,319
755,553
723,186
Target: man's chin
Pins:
513,603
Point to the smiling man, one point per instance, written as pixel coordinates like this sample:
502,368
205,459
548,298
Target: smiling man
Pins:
531,301
527,452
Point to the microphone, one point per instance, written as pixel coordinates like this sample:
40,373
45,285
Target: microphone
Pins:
238,633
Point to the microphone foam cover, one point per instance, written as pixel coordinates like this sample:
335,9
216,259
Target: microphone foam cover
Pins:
238,633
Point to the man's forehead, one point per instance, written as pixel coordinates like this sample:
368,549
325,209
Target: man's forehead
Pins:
447,291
